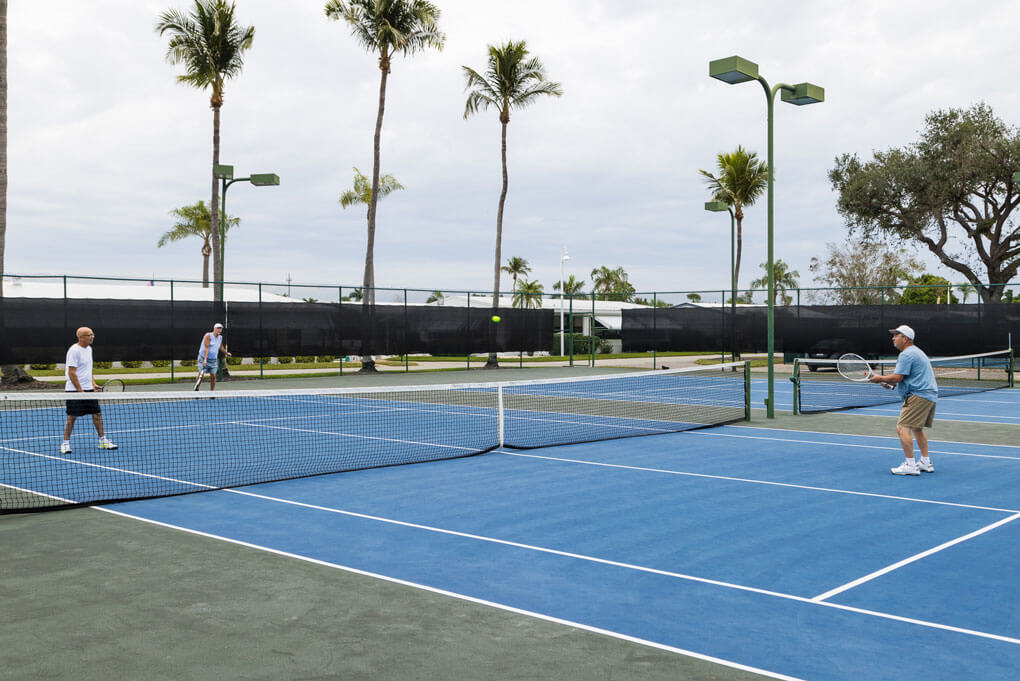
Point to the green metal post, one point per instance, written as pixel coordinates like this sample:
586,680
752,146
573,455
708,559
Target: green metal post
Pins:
733,285
591,333
407,367
747,390
571,323
262,345
770,406
655,328
171,327
469,317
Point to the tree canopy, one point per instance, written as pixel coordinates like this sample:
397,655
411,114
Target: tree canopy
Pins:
951,191
862,273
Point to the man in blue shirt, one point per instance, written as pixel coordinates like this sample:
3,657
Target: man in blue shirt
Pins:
915,381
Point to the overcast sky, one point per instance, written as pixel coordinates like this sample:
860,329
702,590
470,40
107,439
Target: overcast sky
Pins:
103,142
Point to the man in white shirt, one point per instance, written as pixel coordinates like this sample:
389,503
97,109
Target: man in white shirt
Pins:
78,372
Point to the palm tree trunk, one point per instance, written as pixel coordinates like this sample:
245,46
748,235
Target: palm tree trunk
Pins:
368,281
205,269
214,209
493,362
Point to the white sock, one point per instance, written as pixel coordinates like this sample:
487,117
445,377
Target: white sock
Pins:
66,442
911,462
924,459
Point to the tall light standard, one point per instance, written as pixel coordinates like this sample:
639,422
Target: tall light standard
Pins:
563,295
718,207
734,70
225,174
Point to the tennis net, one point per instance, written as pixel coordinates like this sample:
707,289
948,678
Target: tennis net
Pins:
172,443
819,387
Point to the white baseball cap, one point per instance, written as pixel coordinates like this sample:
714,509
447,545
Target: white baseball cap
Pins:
905,330
217,325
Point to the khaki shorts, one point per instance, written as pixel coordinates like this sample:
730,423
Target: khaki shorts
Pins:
917,412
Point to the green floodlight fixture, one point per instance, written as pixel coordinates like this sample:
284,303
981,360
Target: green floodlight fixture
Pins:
265,179
723,207
804,93
716,206
223,172
735,70
1016,176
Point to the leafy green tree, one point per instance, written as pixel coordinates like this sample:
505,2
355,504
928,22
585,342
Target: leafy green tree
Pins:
863,273
385,27
436,297
528,294
516,267
511,81
571,287
355,296
694,297
211,45
741,181
785,279
195,220
362,190
952,191
928,289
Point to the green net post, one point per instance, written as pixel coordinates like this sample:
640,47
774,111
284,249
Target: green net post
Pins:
747,390
171,326
795,379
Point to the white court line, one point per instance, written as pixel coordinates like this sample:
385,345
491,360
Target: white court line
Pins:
880,437
847,444
591,559
458,596
754,481
912,559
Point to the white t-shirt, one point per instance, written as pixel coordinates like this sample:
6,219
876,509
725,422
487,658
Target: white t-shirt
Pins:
81,359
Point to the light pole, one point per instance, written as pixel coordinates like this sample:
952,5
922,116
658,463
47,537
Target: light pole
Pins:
563,295
225,174
734,70
718,207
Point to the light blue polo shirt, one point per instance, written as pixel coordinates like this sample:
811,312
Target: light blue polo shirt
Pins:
919,379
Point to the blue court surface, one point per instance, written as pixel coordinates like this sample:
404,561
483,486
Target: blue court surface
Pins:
793,554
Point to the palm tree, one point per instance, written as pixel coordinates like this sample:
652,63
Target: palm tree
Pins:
195,220
385,27
516,267
742,180
965,290
355,296
571,287
211,45
511,82
611,283
362,190
785,279
436,297
528,294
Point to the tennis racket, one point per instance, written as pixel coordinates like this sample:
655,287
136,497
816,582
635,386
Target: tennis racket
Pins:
114,385
855,368
198,383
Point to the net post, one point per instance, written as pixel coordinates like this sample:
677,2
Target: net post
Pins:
747,390
499,412
1012,366
795,379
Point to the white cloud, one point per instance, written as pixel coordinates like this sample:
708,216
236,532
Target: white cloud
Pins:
104,143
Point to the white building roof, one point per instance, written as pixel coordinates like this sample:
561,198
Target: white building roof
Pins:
18,287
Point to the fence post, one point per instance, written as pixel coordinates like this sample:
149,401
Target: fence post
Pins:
406,366
262,339
655,307
172,331
469,329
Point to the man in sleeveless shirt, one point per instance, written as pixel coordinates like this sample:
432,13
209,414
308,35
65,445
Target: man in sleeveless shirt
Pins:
208,355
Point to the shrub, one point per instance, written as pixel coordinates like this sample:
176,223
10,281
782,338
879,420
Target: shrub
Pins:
284,360
189,362
327,358
104,365
160,362
262,360
304,359
42,366
234,361
605,347
131,363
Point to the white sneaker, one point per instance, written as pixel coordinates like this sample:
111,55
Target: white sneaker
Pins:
65,447
906,468
104,443
925,467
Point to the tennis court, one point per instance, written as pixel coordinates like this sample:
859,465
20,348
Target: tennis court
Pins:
779,549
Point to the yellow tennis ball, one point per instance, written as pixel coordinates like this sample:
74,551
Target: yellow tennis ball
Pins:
496,318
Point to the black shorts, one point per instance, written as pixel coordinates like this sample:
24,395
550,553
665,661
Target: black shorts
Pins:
82,407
